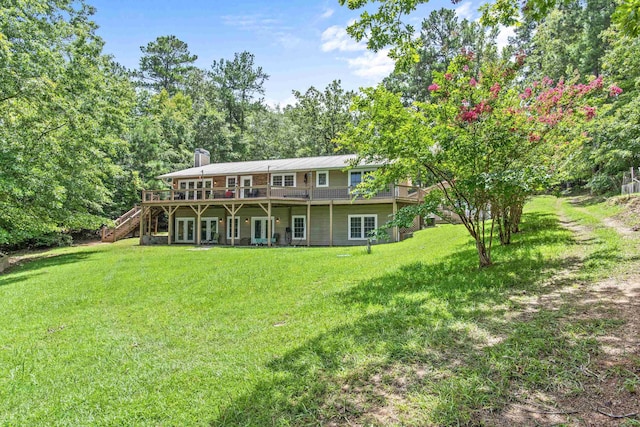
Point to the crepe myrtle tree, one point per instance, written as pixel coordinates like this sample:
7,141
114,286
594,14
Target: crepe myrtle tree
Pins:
487,144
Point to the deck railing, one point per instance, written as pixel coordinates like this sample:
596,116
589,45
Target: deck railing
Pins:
272,192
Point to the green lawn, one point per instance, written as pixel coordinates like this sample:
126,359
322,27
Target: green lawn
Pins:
119,334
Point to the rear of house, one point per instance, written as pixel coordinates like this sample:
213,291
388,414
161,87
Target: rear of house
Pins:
304,201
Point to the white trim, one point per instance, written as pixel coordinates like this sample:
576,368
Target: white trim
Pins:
362,217
283,175
186,220
318,179
293,227
228,228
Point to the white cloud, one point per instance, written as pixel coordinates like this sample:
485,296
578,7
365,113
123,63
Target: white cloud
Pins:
373,66
336,38
466,11
327,13
503,36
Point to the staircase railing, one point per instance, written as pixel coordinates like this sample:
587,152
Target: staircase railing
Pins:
125,224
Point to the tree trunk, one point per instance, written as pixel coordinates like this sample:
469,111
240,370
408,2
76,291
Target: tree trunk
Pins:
483,254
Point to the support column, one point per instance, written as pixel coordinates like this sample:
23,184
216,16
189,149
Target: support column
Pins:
396,234
198,225
331,223
149,224
233,224
308,224
269,230
142,217
170,228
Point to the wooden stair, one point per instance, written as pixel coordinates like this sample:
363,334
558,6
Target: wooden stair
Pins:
125,225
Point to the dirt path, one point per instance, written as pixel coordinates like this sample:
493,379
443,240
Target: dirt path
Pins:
610,393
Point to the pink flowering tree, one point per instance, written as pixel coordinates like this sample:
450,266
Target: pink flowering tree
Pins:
487,143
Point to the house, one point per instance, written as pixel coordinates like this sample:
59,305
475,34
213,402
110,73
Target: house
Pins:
302,201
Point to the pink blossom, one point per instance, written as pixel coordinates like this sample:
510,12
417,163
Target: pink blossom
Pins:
465,68
473,82
526,94
546,81
614,90
589,112
533,137
495,89
448,76
433,87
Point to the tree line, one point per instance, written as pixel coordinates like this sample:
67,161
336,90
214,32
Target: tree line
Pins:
80,135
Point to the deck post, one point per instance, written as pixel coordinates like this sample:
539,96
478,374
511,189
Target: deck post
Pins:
149,224
198,226
170,228
269,230
141,224
308,224
396,231
233,224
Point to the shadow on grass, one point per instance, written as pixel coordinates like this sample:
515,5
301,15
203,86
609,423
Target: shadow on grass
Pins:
30,267
438,342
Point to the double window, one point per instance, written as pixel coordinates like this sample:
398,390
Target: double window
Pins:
299,226
361,225
283,180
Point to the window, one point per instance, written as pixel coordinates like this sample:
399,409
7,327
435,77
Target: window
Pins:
231,183
283,180
322,179
355,177
195,185
361,225
237,233
299,226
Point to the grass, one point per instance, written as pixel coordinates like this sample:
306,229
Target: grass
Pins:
413,334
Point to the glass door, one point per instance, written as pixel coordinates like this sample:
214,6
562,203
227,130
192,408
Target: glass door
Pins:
209,230
259,230
185,230
246,182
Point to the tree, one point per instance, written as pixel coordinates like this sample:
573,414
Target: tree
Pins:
64,109
238,82
483,142
442,37
165,64
319,117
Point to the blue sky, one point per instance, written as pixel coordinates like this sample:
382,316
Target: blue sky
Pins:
299,43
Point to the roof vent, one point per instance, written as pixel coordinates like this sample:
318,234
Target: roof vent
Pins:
201,157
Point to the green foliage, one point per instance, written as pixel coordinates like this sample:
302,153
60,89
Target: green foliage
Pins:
442,37
165,64
238,83
64,110
319,117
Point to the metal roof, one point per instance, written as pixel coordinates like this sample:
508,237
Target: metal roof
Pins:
261,166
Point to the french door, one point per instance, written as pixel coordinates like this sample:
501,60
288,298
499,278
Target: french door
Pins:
209,230
259,229
185,230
